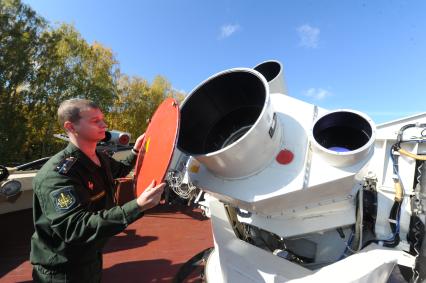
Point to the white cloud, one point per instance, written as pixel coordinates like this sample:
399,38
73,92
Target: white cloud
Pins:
309,36
317,93
228,30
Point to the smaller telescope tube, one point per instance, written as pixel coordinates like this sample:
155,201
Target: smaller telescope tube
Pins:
273,72
343,137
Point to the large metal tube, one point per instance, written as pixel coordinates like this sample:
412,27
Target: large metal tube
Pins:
228,124
343,137
273,72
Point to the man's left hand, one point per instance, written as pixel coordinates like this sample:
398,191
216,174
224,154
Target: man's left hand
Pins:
140,143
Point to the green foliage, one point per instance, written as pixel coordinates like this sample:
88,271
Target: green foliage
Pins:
20,30
40,66
68,68
136,102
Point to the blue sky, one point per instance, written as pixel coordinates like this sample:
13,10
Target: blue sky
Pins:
364,55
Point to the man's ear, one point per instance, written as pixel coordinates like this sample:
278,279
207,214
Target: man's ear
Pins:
69,127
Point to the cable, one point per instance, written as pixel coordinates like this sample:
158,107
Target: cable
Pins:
355,242
175,181
348,246
395,212
199,260
419,172
361,222
412,155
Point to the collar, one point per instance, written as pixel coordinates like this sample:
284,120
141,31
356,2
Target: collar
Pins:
73,150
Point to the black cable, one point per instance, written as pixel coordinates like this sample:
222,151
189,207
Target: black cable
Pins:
394,215
401,131
396,207
189,266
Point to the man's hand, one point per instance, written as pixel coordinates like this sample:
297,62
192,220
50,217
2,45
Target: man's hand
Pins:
140,143
151,196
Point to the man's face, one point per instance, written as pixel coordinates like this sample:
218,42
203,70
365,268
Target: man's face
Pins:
91,126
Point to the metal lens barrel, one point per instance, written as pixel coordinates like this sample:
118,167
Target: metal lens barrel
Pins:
343,137
226,121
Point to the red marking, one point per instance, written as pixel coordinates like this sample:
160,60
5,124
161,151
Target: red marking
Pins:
161,134
285,156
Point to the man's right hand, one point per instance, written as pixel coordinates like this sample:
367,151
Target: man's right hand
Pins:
151,196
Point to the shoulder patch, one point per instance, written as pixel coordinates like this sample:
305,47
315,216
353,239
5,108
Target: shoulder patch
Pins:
65,165
64,199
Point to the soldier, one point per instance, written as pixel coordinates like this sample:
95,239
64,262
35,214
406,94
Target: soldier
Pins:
74,208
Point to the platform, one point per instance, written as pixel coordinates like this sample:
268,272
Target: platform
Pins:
151,249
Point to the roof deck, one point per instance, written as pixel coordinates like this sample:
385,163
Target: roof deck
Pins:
151,249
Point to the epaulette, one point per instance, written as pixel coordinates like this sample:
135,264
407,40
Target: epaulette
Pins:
65,165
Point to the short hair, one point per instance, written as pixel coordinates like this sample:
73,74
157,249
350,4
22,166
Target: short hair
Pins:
70,109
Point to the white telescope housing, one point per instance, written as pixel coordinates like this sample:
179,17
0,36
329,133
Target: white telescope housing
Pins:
235,131
294,190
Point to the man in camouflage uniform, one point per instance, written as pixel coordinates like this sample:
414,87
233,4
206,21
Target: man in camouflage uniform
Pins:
74,209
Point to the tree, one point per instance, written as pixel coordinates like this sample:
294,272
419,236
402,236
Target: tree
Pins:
136,103
20,28
68,68
41,66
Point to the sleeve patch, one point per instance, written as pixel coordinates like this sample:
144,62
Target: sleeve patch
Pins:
64,199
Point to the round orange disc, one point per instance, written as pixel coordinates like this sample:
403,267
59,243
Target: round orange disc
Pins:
160,141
